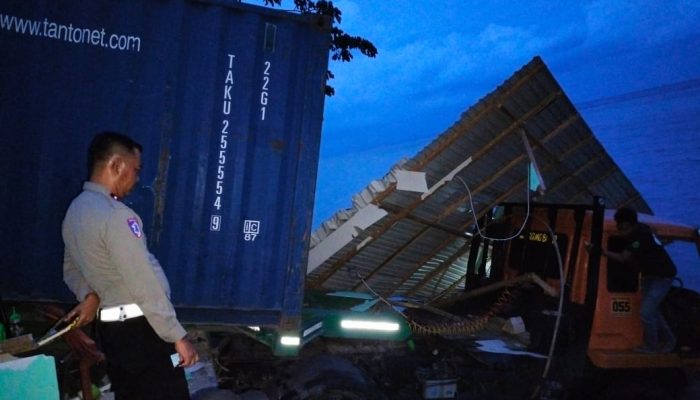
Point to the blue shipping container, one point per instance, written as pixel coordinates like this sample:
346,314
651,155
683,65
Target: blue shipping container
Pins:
227,100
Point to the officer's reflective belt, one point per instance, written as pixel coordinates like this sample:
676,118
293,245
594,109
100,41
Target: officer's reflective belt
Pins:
120,313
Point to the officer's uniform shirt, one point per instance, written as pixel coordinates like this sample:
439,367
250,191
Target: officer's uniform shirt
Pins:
105,252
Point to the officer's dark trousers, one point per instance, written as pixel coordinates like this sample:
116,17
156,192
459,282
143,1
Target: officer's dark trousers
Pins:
138,362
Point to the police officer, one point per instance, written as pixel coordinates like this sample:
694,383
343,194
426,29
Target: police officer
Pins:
107,265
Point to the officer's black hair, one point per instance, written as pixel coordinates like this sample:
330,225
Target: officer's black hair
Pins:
105,144
625,214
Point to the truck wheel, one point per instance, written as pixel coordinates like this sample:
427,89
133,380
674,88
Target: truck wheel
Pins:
339,394
329,378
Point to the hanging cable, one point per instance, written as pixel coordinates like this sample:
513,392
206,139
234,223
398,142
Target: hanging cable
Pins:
476,222
467,327
560,309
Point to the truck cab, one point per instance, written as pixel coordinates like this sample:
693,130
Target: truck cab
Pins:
602,297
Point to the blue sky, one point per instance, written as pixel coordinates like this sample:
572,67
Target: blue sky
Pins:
437,58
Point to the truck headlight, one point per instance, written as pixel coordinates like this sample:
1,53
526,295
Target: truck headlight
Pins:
290,340
366,325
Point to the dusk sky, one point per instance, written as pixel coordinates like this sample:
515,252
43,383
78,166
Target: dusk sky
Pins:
436,59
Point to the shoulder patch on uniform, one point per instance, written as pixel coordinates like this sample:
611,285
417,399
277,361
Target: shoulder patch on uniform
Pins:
134,226
635,244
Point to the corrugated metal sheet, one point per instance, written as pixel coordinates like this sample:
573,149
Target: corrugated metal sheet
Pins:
227,100
420,245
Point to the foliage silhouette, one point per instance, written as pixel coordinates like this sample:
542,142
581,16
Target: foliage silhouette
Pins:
342,44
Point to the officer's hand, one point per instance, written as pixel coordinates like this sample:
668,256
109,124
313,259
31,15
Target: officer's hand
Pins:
86,311
188,354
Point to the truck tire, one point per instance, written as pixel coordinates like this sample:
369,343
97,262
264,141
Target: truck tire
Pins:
328,377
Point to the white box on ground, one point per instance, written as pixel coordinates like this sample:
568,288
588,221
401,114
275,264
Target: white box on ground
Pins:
514,326
440,389
28,378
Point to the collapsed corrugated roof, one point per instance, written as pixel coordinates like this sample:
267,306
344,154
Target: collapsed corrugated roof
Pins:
408,233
